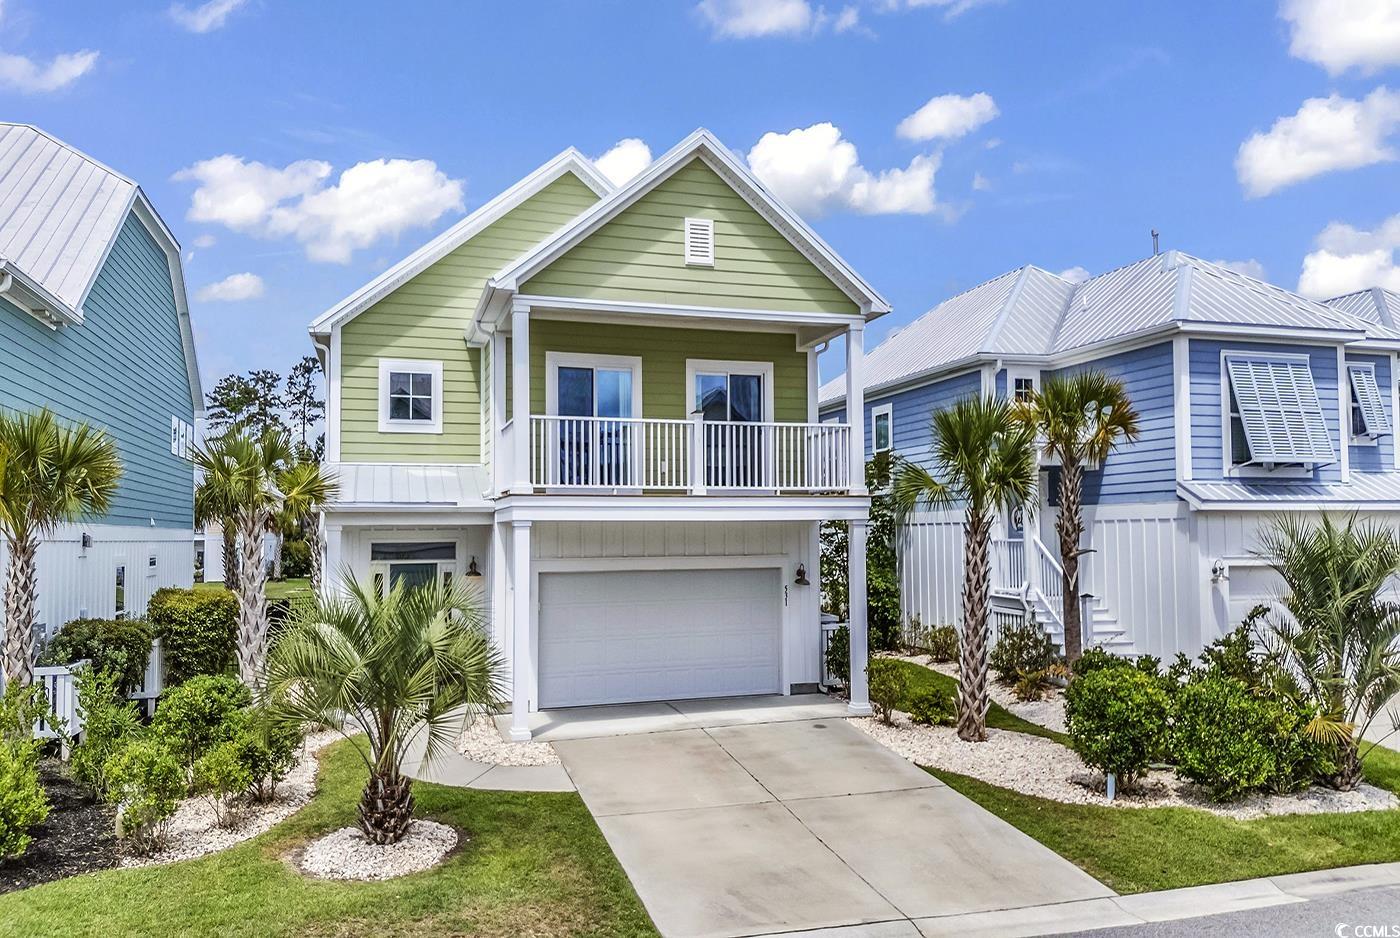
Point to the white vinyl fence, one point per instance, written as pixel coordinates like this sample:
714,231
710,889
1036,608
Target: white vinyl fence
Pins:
59,683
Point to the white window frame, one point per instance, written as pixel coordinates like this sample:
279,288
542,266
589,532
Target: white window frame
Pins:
431,367
1013,374
876,412
694,256
712,366
1371,437
120,612
553,361
1230,470
379,569
152,564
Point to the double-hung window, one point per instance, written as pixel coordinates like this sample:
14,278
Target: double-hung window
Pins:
1274,417
882,428
410,396
1368,417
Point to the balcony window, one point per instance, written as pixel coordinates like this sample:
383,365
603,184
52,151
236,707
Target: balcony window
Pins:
734,399
410,396
595,397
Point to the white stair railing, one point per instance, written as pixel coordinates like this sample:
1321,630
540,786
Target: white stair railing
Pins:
1009,564
1049,587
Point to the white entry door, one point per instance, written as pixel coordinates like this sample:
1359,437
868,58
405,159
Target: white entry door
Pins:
617,637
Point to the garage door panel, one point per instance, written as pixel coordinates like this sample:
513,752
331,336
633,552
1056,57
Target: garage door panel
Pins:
655,635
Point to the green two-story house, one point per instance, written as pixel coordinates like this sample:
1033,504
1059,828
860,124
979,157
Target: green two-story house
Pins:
94,326
601,402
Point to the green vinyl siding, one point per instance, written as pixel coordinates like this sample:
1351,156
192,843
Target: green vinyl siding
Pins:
427,318
664,352
122,370
639,256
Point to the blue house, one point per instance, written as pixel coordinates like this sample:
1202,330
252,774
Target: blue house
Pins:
94,325
1252,400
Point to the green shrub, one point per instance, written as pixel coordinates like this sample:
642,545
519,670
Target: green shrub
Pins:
1117,720
199,714
1220,737
119,646
943,643
1096,659
1021,649
223,776
268,749
109,721
1033,685
296,559
888,685
145,780
196,630
21,707
838,654
22,801
930,707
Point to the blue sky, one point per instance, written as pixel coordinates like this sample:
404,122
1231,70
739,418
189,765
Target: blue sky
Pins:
1110,118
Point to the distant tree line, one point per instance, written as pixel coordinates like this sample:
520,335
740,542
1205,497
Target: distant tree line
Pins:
263,400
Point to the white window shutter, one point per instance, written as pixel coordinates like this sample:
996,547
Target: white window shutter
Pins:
1368,398
700,242
1280,410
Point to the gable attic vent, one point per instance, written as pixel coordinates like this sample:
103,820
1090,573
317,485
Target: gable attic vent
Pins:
700,242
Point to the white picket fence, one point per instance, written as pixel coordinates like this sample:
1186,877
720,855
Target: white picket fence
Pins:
60,686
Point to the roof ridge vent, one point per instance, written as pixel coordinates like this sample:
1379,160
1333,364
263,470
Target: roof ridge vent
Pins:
1171,260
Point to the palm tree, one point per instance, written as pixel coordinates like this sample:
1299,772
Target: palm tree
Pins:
984,460
253,476
1333,632
1079,420
214,503
307,489
50,473
394,666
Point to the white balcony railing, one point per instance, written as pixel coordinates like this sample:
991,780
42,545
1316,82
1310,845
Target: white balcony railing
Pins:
647,454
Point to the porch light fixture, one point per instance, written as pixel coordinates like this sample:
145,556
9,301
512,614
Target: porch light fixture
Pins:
472,570
802,576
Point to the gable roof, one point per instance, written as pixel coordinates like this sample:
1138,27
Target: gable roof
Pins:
1376,305
61,212
1030,313
569,161
705,145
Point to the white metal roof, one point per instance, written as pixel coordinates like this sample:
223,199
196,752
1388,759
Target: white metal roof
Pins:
1372,489
387,485
1376,305
60,211
1030,312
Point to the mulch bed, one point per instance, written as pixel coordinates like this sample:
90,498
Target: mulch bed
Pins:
77,837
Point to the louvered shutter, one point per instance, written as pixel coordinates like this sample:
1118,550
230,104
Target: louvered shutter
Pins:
700,241
1280,411
1368,399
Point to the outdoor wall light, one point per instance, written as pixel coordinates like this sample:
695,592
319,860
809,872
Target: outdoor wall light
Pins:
472,570
802,575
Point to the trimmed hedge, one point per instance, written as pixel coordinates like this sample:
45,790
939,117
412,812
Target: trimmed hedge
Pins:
1117,720
197,630
119,647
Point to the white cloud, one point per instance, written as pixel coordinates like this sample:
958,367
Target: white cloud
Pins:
1075,274
370,200
1349,259
22,73
847,20
206,17
205,241
952,8
1327,134
1343,34
626,159
1249,267
948,117
232,289
980,183
747,19
816,170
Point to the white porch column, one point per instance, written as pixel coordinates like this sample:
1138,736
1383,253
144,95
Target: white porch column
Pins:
334,560
498,410
860,635
520,397
855,406
500,589
522,661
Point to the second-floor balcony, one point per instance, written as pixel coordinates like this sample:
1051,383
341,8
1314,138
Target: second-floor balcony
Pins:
694,456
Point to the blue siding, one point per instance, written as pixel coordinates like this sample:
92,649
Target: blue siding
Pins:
1379,457
1145,469
123,370
912,413
1001,383
1207,409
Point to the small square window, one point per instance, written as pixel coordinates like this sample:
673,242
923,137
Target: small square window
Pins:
1023,389
410,396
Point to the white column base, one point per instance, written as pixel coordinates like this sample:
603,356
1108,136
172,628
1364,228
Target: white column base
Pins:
523,734
859,709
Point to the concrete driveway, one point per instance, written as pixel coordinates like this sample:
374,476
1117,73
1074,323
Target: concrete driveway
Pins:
787,826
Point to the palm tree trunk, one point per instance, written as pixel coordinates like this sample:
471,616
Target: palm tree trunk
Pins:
313,542
230,532
973,699
1348,774
252,599
386,807
277,557
1070,527
21,587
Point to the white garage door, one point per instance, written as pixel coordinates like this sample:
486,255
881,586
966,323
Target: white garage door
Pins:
657,635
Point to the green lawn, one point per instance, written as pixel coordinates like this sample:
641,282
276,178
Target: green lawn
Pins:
1146,849
998,717
534,864
276,589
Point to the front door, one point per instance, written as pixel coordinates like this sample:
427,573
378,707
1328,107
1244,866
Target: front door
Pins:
734,446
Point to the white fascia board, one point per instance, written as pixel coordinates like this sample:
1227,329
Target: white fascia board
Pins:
571,160
719,158
683,508
567,304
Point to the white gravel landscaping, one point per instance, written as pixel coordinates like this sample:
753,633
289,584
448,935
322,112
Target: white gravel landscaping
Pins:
192,832
346,854
1049,713
482,742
